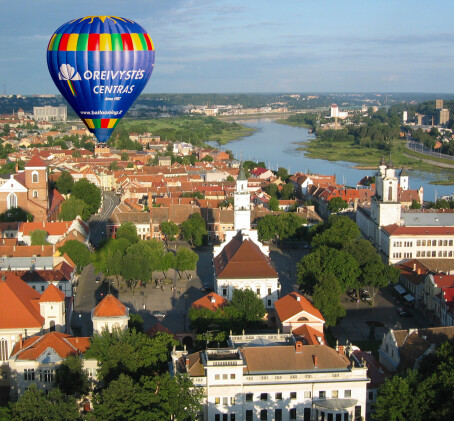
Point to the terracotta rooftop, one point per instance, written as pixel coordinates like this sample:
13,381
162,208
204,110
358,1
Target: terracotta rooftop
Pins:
211,301
395,229
52,295
19,306
64,345
110,307
289,306
36,161
309,335
242,259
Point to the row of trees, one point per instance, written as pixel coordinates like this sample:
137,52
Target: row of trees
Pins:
135,260
340,261
133,383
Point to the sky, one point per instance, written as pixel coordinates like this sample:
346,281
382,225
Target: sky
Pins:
226,46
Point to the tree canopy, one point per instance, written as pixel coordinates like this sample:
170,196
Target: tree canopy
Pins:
89,193
71,378
65,182
194,229
16,215
78,253
73,207
38,237
128,231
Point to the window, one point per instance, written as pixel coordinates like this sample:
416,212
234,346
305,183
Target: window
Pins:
429,243
232,376
269,291
232,417
278,414
29,374
225,401
217,401
434,254
35,193
258,292
293,413
450,242
307,394
269,303
225,376
335,394
3,350
249,397
292,395
217,417
12,201
49,376
322,394
278,396
232,400
390,193
440,242
263,415
418,243
357,411
371,396
307,414
249,415
264,396
35,177
348,394
423,242
224,291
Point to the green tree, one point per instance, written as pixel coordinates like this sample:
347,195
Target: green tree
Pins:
124,156
336,204
113,166
230,178
246,306
170,230
185,259
393,401
135,322
207,158
287,225
35,405
326,298
272,190
38,237
73,207
65,182
267,227
76,154
89,193
273,204
288,191
128,231
339,230
282,173
78,253
415,204
131,353
71,378
194,229
325,260
16,215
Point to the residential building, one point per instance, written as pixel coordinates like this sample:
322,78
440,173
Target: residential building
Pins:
49,113
109,314
276,378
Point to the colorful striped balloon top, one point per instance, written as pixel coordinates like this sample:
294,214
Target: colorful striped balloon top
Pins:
101,33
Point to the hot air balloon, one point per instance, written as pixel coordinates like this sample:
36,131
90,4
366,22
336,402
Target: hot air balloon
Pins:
100,64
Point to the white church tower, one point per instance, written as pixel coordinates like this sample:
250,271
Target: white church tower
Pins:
242,204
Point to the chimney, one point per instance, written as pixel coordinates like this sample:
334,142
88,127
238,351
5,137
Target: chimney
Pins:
414,266
187,363
299,346
21,343
314,357
16,168
213,299
298,298
341,350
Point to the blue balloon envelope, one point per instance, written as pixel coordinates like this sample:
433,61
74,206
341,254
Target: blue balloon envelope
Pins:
100,64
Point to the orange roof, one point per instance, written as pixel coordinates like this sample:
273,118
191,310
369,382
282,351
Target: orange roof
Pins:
109,307
211,301
395,229
52,228
243,259
52,295
64,345
289,306
19,306
309,335
36,161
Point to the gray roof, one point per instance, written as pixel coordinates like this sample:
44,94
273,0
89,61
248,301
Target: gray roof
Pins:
429,219
25,263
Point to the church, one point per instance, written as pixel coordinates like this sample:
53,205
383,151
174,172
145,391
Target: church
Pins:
403,234
242,261
29,190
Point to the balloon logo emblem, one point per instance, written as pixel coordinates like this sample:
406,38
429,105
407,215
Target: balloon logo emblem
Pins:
100,64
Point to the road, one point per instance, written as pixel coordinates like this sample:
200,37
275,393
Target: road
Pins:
97,223
418,147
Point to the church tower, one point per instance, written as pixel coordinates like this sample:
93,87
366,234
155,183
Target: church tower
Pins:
36,182
242,204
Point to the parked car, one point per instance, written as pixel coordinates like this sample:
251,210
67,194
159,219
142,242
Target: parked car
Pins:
158,314
98,278
403,313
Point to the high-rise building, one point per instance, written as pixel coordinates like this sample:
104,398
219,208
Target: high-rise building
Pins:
49,113
438,104
443,116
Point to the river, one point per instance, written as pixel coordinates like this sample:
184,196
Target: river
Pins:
275,144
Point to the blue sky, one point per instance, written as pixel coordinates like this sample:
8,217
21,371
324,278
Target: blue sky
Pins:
253,45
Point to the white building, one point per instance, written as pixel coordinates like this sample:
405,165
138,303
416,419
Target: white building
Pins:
273,378
109,314
404,234
49,113
242,261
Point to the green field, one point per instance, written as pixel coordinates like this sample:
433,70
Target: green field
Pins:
195,130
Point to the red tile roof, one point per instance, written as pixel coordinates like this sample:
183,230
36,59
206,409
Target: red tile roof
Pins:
19,306
242,259
211,301
36,161
52,295
309,335
289,306
109,307
395,229
444,281
64,345
52,228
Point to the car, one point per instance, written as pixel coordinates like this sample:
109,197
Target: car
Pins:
98,278
403,313
158,314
